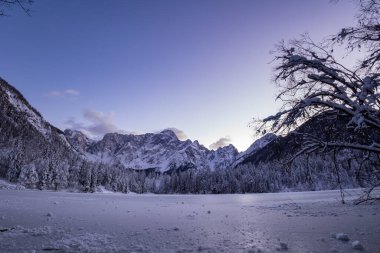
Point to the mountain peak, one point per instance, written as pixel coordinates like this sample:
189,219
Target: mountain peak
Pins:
78,140
170,133
162,151
13,93
256,146
74,133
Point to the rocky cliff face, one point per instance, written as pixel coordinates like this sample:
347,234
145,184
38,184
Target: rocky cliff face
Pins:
162,151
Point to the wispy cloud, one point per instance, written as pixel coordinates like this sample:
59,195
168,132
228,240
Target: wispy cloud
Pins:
224,141
63,93
181,135
98,124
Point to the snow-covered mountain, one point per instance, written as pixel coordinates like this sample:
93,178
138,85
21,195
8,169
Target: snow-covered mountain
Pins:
25,137
36,154
326,126
78,140
19,113
255,147
162,151
27,141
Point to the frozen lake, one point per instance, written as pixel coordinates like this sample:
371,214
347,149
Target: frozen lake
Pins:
36,221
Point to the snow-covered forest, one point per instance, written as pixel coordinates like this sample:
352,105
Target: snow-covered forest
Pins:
312,172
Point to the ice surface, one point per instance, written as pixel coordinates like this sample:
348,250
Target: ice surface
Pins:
98,222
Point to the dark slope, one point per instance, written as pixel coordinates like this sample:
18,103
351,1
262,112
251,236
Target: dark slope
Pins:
326,127
26,138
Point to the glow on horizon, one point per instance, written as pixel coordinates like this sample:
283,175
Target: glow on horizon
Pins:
143,66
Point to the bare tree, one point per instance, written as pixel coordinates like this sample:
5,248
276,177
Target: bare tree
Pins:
312,82
364,36
8,4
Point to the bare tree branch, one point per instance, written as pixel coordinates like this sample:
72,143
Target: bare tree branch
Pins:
311,82
8,4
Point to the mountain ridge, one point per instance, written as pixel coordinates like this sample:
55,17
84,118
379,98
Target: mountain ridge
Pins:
36,154
162,151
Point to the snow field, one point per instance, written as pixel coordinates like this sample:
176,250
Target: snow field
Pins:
35,221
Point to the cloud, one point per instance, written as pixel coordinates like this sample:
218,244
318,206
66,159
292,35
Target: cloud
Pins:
224,141
63,93
99,123
179,133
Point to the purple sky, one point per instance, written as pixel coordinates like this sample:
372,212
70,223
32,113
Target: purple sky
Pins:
201,66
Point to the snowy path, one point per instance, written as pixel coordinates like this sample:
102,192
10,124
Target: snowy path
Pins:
34,221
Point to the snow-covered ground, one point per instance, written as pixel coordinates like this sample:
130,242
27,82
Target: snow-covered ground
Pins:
36,221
